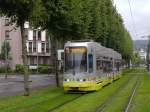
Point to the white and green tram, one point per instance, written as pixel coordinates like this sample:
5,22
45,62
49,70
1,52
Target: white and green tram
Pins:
89,66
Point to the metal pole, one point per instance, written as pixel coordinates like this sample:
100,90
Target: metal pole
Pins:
37,51
148,52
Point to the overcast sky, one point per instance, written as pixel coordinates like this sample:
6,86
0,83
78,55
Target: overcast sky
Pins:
141,16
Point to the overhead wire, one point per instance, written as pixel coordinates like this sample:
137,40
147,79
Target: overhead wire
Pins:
133,21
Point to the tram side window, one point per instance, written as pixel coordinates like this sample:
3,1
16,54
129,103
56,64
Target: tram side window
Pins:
118,66
99,65
107,66
90,58
110,66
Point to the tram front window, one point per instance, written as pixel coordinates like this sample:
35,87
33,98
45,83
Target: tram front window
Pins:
75,59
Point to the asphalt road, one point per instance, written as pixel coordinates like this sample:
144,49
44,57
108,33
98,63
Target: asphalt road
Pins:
14,83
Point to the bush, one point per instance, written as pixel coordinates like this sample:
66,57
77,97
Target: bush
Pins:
19,68
2,70
44,69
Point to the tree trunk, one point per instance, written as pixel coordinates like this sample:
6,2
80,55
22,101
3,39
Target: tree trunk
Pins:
5,59
128,63
54,58
24,58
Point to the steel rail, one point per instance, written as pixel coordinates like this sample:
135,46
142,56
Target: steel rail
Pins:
66,102
109,98
136,85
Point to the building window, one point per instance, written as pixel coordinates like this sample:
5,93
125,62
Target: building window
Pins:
34,38
45,60
30,47
34,34
40,60
26,37
39,35
6,22
32,61
7,33
34,46
43,47
47,47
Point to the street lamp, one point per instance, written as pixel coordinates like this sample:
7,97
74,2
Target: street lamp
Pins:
37,50
148,52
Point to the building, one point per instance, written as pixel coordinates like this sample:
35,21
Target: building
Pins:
38,47
142,54
38,44
11,35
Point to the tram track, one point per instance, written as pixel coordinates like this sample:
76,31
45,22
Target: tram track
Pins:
33,107
106,102
133,92
66,102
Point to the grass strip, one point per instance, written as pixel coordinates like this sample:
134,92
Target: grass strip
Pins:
42,100
119,102
14,103
50,104
141,102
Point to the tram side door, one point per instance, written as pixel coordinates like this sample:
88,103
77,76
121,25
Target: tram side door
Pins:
90,61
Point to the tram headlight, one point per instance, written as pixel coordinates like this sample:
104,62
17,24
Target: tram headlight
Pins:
68,80
81,80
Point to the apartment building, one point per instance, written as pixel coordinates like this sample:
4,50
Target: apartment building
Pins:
142,54
13,36
38,47
37,42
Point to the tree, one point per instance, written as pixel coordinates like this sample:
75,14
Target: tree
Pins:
136,59
19,11
5,51
80,19
5,55
63,19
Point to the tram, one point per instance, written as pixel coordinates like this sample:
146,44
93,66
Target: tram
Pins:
89,66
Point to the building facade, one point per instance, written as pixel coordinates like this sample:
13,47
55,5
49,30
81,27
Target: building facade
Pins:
13,36
38,47
142,54
37,42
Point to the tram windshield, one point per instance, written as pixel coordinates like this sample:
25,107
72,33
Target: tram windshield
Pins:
75,59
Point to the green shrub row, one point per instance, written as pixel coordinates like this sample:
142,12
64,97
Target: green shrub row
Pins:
3,70
43,69
19,68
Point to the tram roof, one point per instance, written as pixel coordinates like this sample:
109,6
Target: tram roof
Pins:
100,50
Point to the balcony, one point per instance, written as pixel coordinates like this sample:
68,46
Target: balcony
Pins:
38,54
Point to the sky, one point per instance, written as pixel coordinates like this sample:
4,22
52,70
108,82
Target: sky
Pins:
139,24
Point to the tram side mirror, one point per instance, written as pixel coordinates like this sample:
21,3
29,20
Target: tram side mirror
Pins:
90,59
